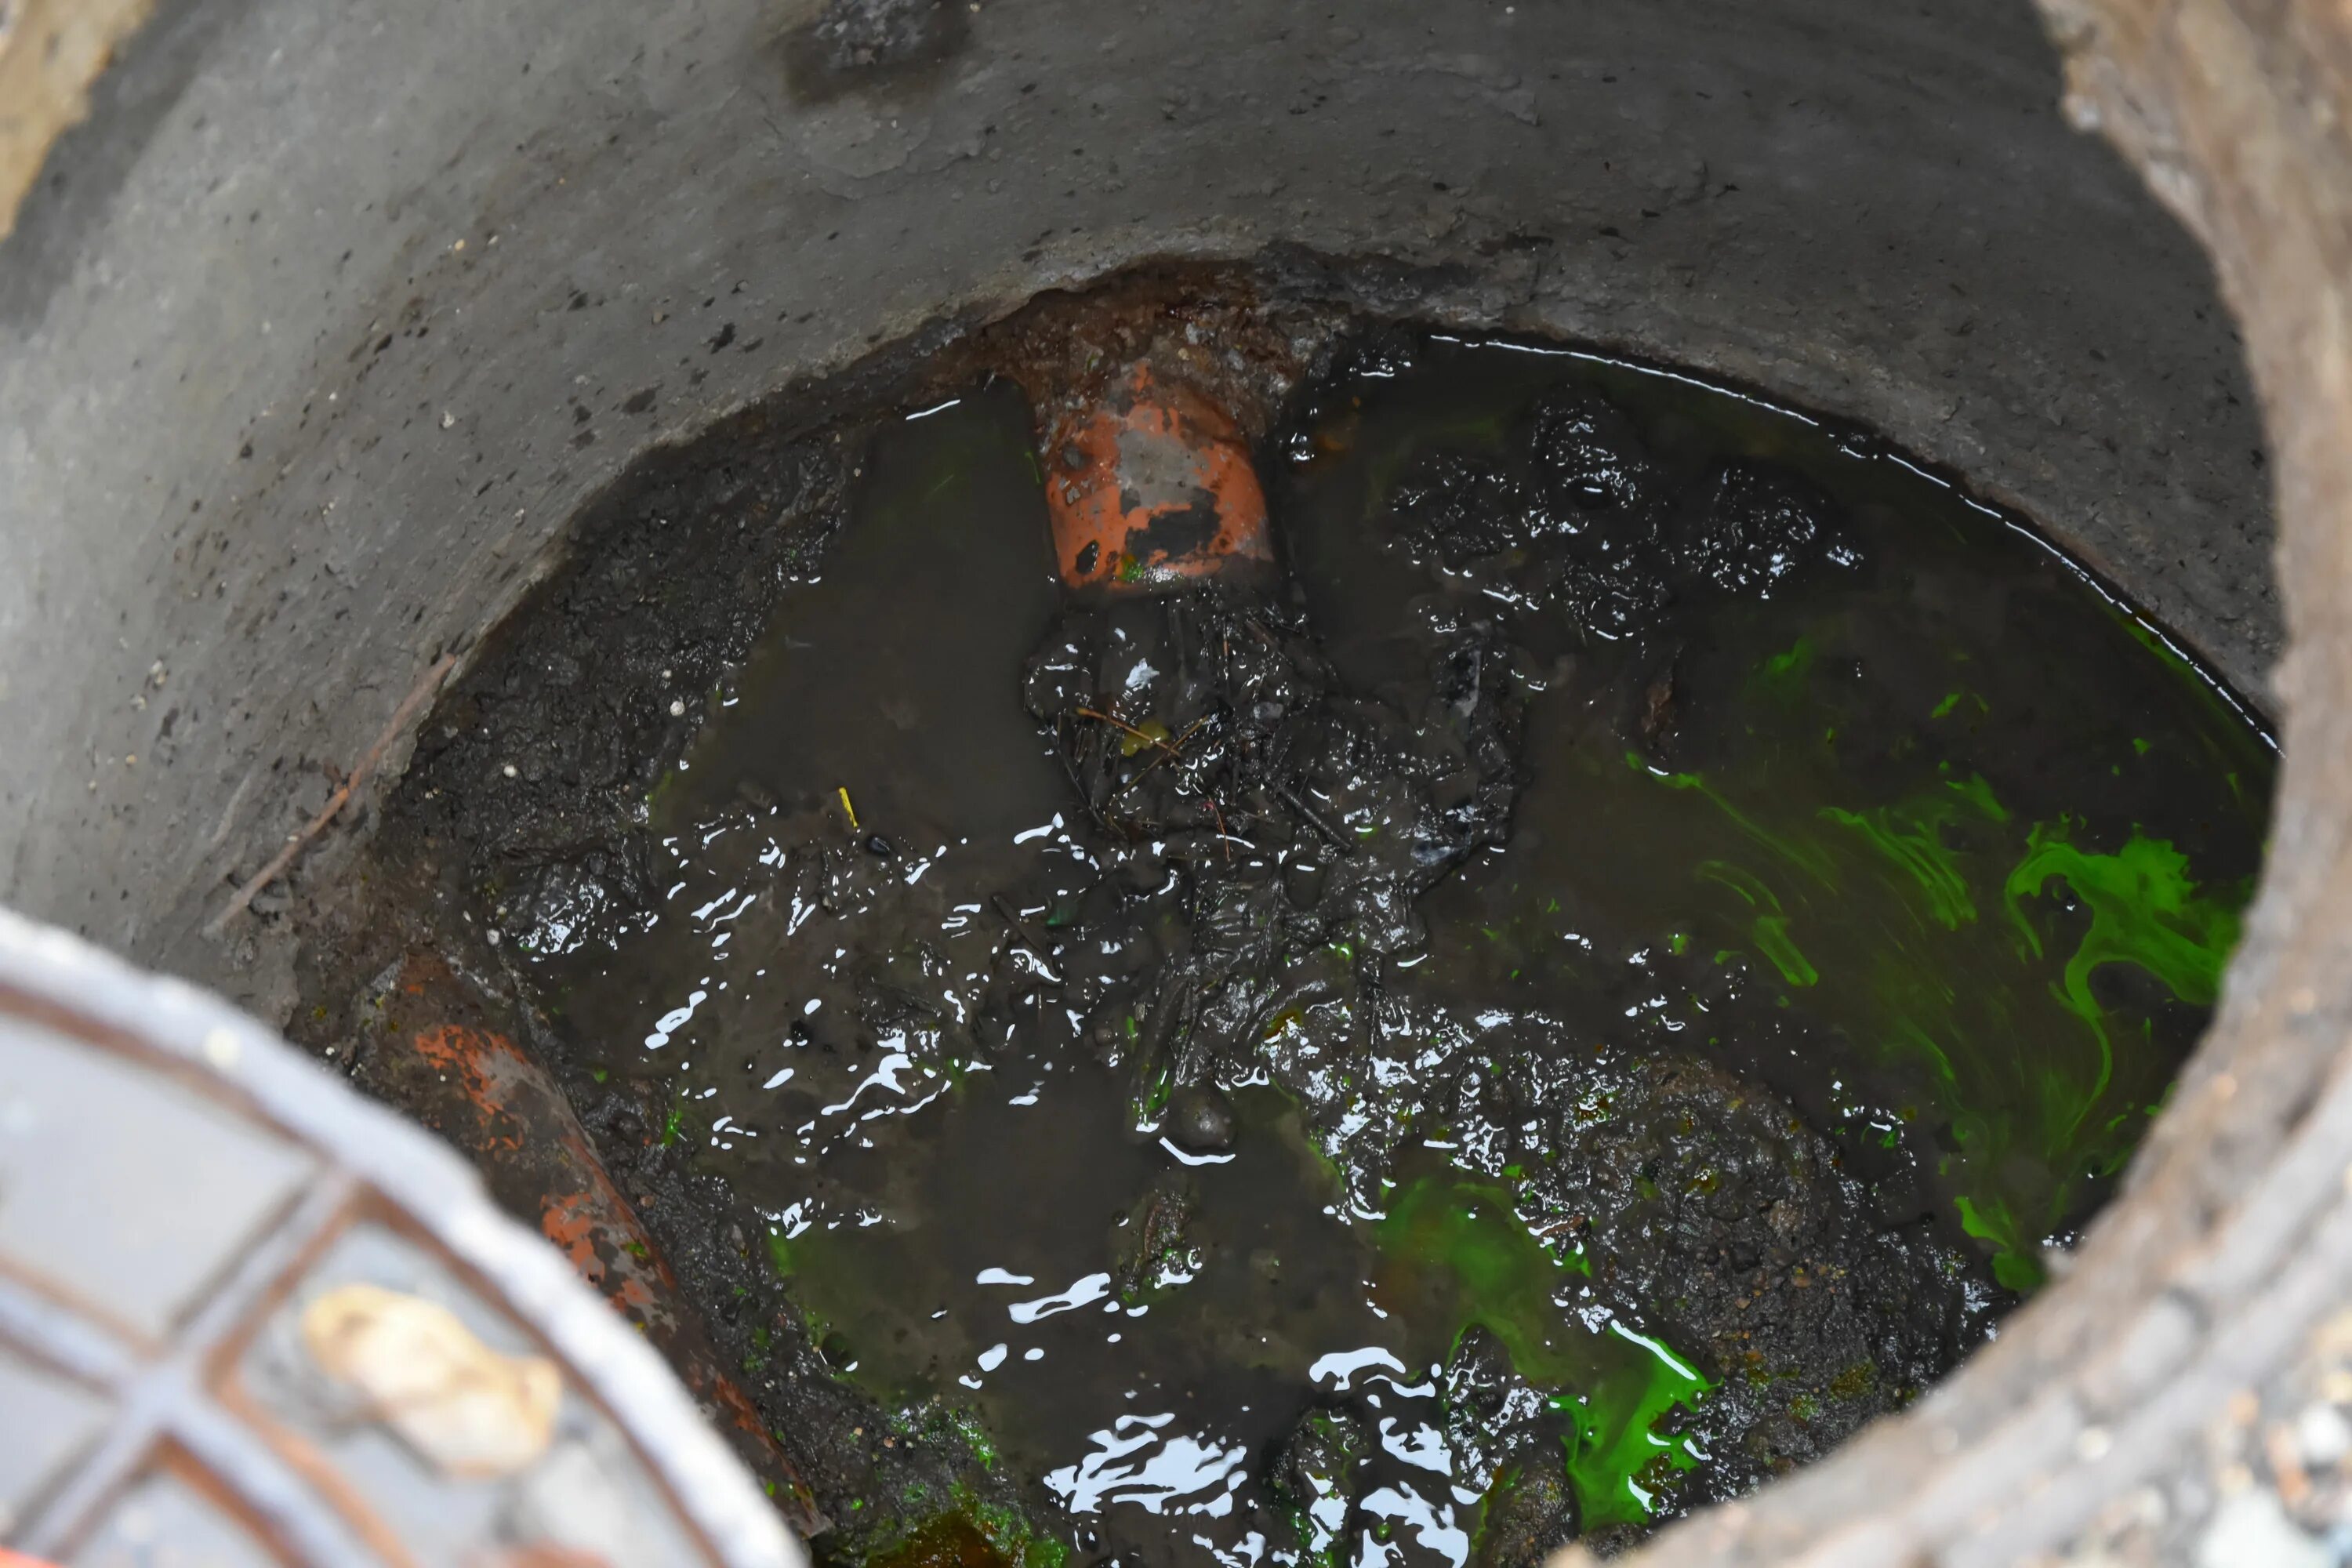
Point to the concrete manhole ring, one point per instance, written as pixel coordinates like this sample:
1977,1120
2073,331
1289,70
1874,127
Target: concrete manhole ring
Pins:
291,328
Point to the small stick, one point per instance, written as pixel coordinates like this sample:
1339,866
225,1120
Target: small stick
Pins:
1026,933
1297,801
426,684
1150,768
1122,724
1167,1010
1168,753
1224,838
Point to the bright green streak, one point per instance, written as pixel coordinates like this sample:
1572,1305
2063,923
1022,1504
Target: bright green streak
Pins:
2014,1268
1614,1387
1769,929
1911,836
1878,912
2144,911
1803,856
1611,1456
1787,671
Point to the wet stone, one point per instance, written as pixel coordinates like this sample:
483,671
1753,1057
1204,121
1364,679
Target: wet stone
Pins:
1758,524
1200,1121
1488,1403
1157,1253
1589,458
1315,1475
1586,540
1712,1204
1529,1510
1465,507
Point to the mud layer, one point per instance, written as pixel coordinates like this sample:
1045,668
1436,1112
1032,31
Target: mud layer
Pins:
1613,976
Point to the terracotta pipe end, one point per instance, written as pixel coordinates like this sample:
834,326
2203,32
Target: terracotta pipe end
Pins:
1153,489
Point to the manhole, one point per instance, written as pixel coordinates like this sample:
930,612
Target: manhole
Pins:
1522,943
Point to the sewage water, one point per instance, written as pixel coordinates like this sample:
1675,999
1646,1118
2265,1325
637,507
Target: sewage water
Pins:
1613,976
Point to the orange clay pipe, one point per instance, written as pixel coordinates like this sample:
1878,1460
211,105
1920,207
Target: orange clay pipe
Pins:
1153,488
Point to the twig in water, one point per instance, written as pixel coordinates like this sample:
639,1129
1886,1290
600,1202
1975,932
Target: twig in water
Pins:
426,684
1028,936
1168,753
1121,724
1297,801
1224,838
1062,749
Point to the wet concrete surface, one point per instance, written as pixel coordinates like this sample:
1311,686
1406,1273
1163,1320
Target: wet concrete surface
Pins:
1628,965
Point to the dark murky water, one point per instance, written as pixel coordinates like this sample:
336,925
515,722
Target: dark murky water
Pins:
1614,981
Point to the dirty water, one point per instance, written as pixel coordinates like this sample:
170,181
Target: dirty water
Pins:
1614,975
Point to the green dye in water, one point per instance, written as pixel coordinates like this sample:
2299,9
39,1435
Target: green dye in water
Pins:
1897,893
1614,1385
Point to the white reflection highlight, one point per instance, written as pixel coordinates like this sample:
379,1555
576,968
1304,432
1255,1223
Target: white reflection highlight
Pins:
1432,1525
1341,1366
676,1018
1086,1292
1134,1463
